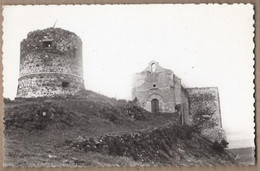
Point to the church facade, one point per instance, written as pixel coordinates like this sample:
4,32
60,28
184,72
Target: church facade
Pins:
159,90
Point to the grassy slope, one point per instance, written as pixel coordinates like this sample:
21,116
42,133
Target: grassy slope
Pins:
37,130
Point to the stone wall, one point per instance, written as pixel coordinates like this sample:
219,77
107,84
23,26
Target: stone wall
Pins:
48,85
162,84
50,63
168,144
36,63
205,97
156,84
177,90
185,106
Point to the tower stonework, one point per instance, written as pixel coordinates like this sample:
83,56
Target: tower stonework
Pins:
50,64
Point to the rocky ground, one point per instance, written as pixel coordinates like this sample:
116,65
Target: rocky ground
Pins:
92,130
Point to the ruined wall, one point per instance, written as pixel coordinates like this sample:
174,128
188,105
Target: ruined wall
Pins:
177,90
157,84
185,106
50,63
207,97
169,144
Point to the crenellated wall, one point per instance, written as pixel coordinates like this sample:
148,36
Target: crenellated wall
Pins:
50,64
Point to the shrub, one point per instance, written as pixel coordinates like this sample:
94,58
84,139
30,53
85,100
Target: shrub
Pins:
224,143
220,146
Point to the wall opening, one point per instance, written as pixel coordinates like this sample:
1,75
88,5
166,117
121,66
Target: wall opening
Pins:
155,106
153,67
65,84
47,44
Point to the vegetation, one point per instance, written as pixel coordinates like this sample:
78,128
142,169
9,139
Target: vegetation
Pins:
99,131
220,146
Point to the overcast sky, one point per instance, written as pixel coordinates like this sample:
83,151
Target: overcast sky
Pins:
205,45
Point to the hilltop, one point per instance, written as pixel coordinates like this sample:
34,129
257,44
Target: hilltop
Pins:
90,129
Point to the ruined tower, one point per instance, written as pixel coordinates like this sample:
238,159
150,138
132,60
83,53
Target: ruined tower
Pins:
50,64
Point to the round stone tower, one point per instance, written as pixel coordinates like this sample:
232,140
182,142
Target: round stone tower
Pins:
50,64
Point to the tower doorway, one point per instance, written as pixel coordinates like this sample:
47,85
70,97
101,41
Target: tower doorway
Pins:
155,106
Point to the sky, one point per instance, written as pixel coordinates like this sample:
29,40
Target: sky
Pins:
204,45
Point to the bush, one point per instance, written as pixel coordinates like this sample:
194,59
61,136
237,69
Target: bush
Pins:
220,146
188,132
224,143
7,100
37,116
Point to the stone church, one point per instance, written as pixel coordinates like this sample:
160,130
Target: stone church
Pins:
158,89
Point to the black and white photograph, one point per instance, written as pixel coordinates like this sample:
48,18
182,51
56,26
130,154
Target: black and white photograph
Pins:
128,85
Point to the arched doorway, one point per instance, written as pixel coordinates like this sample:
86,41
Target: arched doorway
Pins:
155,106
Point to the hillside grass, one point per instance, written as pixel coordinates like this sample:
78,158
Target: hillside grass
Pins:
39,132
36,128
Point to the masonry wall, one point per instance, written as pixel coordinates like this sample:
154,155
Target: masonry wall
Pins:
50,63
205,97
185,106
159,84
48,85
177,90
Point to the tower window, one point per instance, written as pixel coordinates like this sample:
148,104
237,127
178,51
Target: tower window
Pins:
154,85
65,84
47,44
